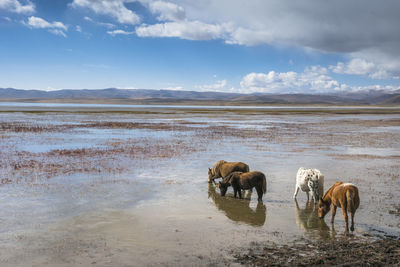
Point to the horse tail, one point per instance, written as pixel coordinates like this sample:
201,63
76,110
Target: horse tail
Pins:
350,200
264,184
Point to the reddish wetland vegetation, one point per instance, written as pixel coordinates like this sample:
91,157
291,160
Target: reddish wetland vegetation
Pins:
103,187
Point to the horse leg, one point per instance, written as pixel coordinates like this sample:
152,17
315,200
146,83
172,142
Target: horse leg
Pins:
333,213
259,193
240,193
296,191
235,192
346,219
352,221
333,232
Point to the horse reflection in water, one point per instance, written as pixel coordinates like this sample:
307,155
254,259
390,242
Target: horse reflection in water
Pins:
238,210
307,220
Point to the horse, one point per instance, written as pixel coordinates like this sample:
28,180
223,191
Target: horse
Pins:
244,181
223,168
310,180
342,195
239,211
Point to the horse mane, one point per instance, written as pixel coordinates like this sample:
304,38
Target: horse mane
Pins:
329,192
216,166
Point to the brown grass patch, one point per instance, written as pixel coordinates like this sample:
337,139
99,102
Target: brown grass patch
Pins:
116,158
26,127
135,125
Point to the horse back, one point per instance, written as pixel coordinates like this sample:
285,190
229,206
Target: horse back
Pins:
346,193
251,179
230,167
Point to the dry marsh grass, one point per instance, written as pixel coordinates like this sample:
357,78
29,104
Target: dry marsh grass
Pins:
120,155
115,158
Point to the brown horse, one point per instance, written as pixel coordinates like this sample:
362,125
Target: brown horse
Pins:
221,169
342,195
244,181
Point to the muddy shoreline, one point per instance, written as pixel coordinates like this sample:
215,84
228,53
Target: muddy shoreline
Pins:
344,251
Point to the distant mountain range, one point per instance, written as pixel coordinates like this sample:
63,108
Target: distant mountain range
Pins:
148,96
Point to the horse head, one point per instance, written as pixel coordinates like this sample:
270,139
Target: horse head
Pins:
223,187
211,175
323,208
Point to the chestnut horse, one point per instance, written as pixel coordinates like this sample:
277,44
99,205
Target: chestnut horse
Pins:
221,169
342,195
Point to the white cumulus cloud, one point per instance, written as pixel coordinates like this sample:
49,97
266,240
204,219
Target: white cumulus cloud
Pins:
119,32
374,70
40,23
113,8
167,11
15,6
56,27
190,30
312,80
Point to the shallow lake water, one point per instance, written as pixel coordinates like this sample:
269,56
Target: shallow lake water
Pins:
129,187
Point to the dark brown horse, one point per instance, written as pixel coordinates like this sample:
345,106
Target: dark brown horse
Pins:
221,169
244,181
342,195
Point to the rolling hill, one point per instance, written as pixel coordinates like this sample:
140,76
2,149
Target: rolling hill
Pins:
149,96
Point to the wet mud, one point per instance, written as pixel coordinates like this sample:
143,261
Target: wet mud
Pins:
337,252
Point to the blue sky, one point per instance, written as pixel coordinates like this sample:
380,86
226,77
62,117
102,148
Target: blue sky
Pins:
211,45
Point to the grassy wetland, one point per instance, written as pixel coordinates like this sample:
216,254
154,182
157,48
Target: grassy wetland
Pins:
123,186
